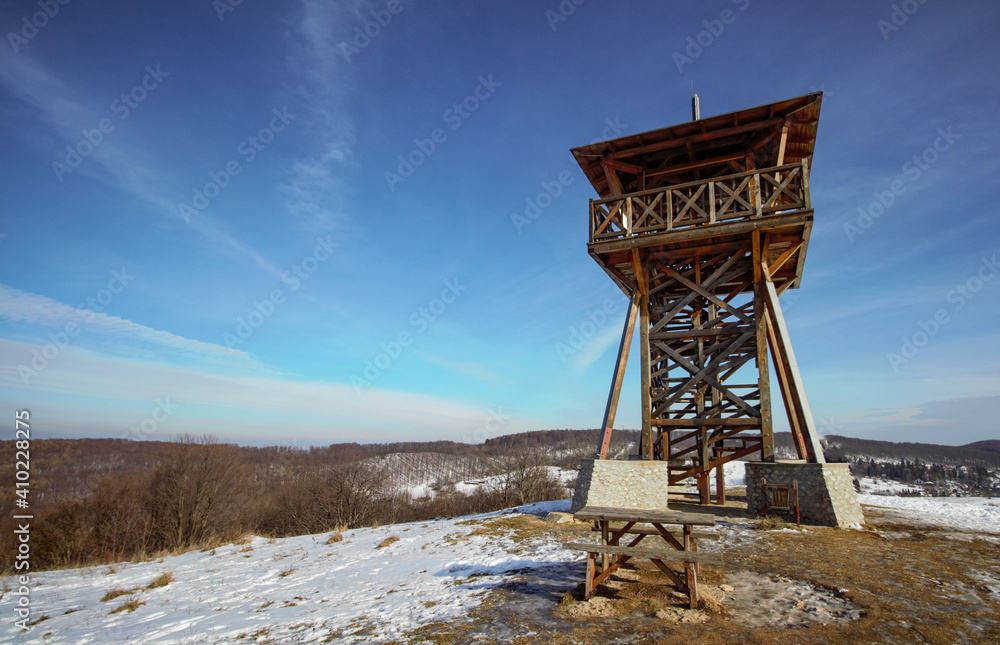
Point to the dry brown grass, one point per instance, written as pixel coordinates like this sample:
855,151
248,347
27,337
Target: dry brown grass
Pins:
386,542
128,605
115,593
161,580
771,523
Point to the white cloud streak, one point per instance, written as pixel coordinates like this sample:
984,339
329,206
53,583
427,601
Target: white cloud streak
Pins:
118,393
24,307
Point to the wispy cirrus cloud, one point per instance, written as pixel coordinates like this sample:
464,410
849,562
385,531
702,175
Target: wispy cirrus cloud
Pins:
64,112
324,82
24,307
594,348
475,370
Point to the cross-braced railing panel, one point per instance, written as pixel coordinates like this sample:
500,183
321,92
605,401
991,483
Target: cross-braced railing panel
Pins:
732,198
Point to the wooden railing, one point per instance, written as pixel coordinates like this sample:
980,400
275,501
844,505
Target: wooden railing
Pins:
744,196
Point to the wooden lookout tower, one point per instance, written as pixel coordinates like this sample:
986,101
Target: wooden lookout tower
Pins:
703,225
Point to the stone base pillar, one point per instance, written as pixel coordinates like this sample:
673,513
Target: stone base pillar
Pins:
826,491
621,484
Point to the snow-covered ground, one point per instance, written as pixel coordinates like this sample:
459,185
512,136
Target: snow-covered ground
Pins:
978,514
307,589
298,589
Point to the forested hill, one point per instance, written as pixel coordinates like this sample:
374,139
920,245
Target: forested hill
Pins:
981,453
990,445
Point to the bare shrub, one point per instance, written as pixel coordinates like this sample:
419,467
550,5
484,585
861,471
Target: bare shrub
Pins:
195,493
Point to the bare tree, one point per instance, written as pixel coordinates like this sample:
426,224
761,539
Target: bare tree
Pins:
523,476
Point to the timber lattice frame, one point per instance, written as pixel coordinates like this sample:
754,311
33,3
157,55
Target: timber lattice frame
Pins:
703,254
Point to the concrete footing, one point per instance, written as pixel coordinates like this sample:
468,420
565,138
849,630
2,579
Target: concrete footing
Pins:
826,491
621,484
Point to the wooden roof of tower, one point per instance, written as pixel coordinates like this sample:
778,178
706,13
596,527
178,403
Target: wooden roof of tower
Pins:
634,168
705,148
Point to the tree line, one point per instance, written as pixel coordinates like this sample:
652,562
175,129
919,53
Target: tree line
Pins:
140,501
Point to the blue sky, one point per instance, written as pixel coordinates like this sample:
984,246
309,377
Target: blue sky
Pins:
258,222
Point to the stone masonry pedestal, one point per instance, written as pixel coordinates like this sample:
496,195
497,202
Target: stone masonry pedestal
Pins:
621,484
826,491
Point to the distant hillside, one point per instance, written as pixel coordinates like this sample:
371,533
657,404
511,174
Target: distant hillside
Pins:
990,445
839,448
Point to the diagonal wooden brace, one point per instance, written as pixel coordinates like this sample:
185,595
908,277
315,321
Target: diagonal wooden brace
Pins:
616,383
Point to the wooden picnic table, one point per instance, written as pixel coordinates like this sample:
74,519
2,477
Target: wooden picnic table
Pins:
683,545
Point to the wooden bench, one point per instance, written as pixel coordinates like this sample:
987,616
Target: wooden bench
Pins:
658,557
645,523
645,530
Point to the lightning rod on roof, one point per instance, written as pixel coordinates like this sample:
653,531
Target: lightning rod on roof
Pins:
695,107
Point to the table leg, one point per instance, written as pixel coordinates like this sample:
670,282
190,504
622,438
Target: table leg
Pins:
605,534
588,585
691,569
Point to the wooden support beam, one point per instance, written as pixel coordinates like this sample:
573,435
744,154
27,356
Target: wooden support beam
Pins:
695,138
782,143
763,373
614,184
616,382
642,291
795,395
676,169
720,486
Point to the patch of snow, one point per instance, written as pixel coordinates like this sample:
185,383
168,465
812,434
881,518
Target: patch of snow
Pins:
542,509
964,513
735,472
879,486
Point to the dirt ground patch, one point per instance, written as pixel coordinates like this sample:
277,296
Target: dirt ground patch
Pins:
894,583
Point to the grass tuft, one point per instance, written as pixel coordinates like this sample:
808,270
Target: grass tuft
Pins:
386,542
129,606
771,523
115,593
161,580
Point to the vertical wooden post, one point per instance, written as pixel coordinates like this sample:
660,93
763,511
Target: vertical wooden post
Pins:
690,569
642,290
763,372
720,486
704,490
711,202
